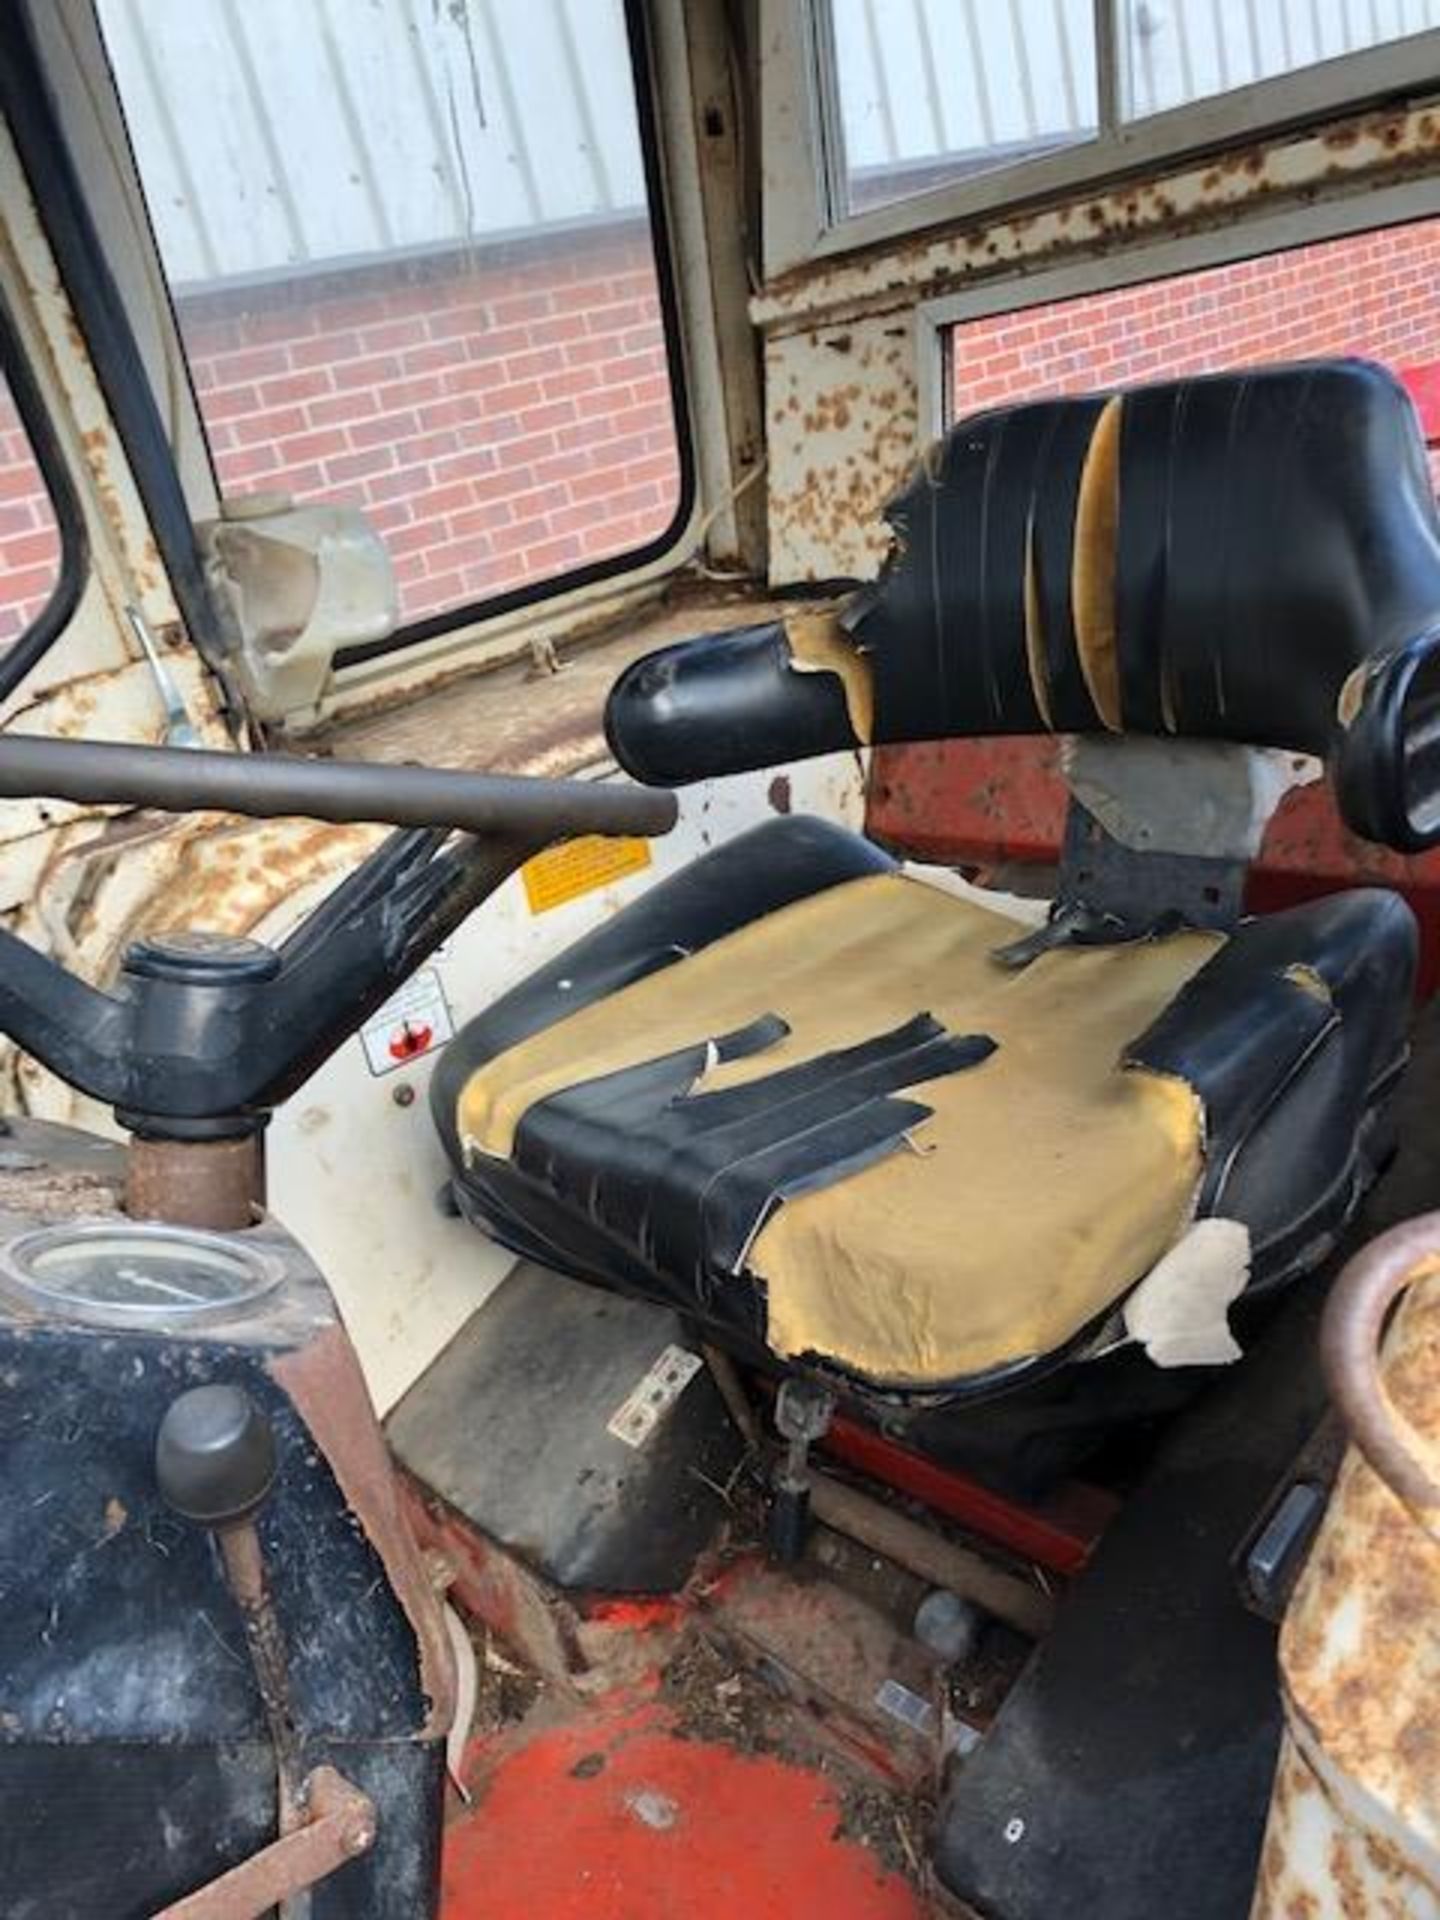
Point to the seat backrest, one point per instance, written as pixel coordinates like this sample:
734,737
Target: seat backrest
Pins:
1252,557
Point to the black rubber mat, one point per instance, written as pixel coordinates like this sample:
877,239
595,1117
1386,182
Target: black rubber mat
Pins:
1128,1773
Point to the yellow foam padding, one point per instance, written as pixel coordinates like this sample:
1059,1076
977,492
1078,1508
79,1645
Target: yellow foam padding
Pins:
1035,633
819,644
1047,1181
1092,568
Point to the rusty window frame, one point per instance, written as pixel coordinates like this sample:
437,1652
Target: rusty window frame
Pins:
1255,237
806,217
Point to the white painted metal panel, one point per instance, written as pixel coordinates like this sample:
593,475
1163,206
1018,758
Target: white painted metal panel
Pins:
354,1173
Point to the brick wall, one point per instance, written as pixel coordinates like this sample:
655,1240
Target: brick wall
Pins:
29,543
502,417
1376,294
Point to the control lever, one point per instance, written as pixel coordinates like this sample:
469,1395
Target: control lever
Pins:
215,1465
270,786
201,1037
803,1409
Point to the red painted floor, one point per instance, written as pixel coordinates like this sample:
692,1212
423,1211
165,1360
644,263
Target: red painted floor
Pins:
615,1817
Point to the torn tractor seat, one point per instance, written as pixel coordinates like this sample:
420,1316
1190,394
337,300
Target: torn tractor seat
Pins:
844,1118
1251,557
1002,1154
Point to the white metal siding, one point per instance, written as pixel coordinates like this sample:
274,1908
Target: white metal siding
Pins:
285,134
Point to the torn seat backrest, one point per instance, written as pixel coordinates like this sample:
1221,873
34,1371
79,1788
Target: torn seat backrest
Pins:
1251,557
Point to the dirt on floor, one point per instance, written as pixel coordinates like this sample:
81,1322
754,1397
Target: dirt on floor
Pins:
505,1691
719,1700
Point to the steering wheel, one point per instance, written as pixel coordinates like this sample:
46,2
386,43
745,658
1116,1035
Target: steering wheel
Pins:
203,1033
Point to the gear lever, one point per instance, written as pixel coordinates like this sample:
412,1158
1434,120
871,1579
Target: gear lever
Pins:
802,1416
215,1464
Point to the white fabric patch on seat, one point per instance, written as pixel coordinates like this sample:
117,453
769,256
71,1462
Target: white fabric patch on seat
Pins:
1178,1312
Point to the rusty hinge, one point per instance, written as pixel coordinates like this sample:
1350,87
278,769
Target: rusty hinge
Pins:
338,1825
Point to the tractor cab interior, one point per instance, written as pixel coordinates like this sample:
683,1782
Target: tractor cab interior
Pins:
719,906
805,1099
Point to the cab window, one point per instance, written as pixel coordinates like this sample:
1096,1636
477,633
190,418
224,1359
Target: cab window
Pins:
414,260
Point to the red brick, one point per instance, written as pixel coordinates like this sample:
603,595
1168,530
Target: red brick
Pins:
228,403
448,591
425,447
518,308
20,480
39,548
475,376
248,464
546,418
292,387
389,335
239,369
328,351
339,409
455,410
22,516
323,444
266,428
560,330
366,465
552,556
372,371
412,392
382,430
33,588
305,481
487,518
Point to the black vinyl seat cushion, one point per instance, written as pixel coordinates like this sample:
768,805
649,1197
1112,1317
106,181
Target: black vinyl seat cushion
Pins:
1289,1034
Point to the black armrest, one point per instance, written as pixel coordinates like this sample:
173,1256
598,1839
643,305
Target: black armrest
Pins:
723,703
1386,759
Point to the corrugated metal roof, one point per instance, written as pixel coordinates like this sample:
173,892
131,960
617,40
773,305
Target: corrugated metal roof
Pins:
921,80
282,134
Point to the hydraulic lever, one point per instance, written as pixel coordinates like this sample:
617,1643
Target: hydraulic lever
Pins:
215,1465
203,1035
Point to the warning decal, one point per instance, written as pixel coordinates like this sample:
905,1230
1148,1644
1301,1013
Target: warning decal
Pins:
413,1022
580,866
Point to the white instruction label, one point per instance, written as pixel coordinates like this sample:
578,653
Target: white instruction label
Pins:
413,1022
647,1403
896,1699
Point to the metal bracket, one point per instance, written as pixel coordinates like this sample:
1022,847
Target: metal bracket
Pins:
339,1825
180,729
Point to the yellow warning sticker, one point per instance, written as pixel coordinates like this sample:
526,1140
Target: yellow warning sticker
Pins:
580,866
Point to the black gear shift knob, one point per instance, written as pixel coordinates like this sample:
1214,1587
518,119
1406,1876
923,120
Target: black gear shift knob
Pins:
215,1456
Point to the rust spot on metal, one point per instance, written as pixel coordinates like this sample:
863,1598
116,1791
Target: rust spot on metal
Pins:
52,1192
217,1184
1350,1341
1363,1739
337,1825
324,1381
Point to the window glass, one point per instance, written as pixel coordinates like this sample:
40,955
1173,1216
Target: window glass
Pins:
30,551
1371,294
932,91
1181,50
412,262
